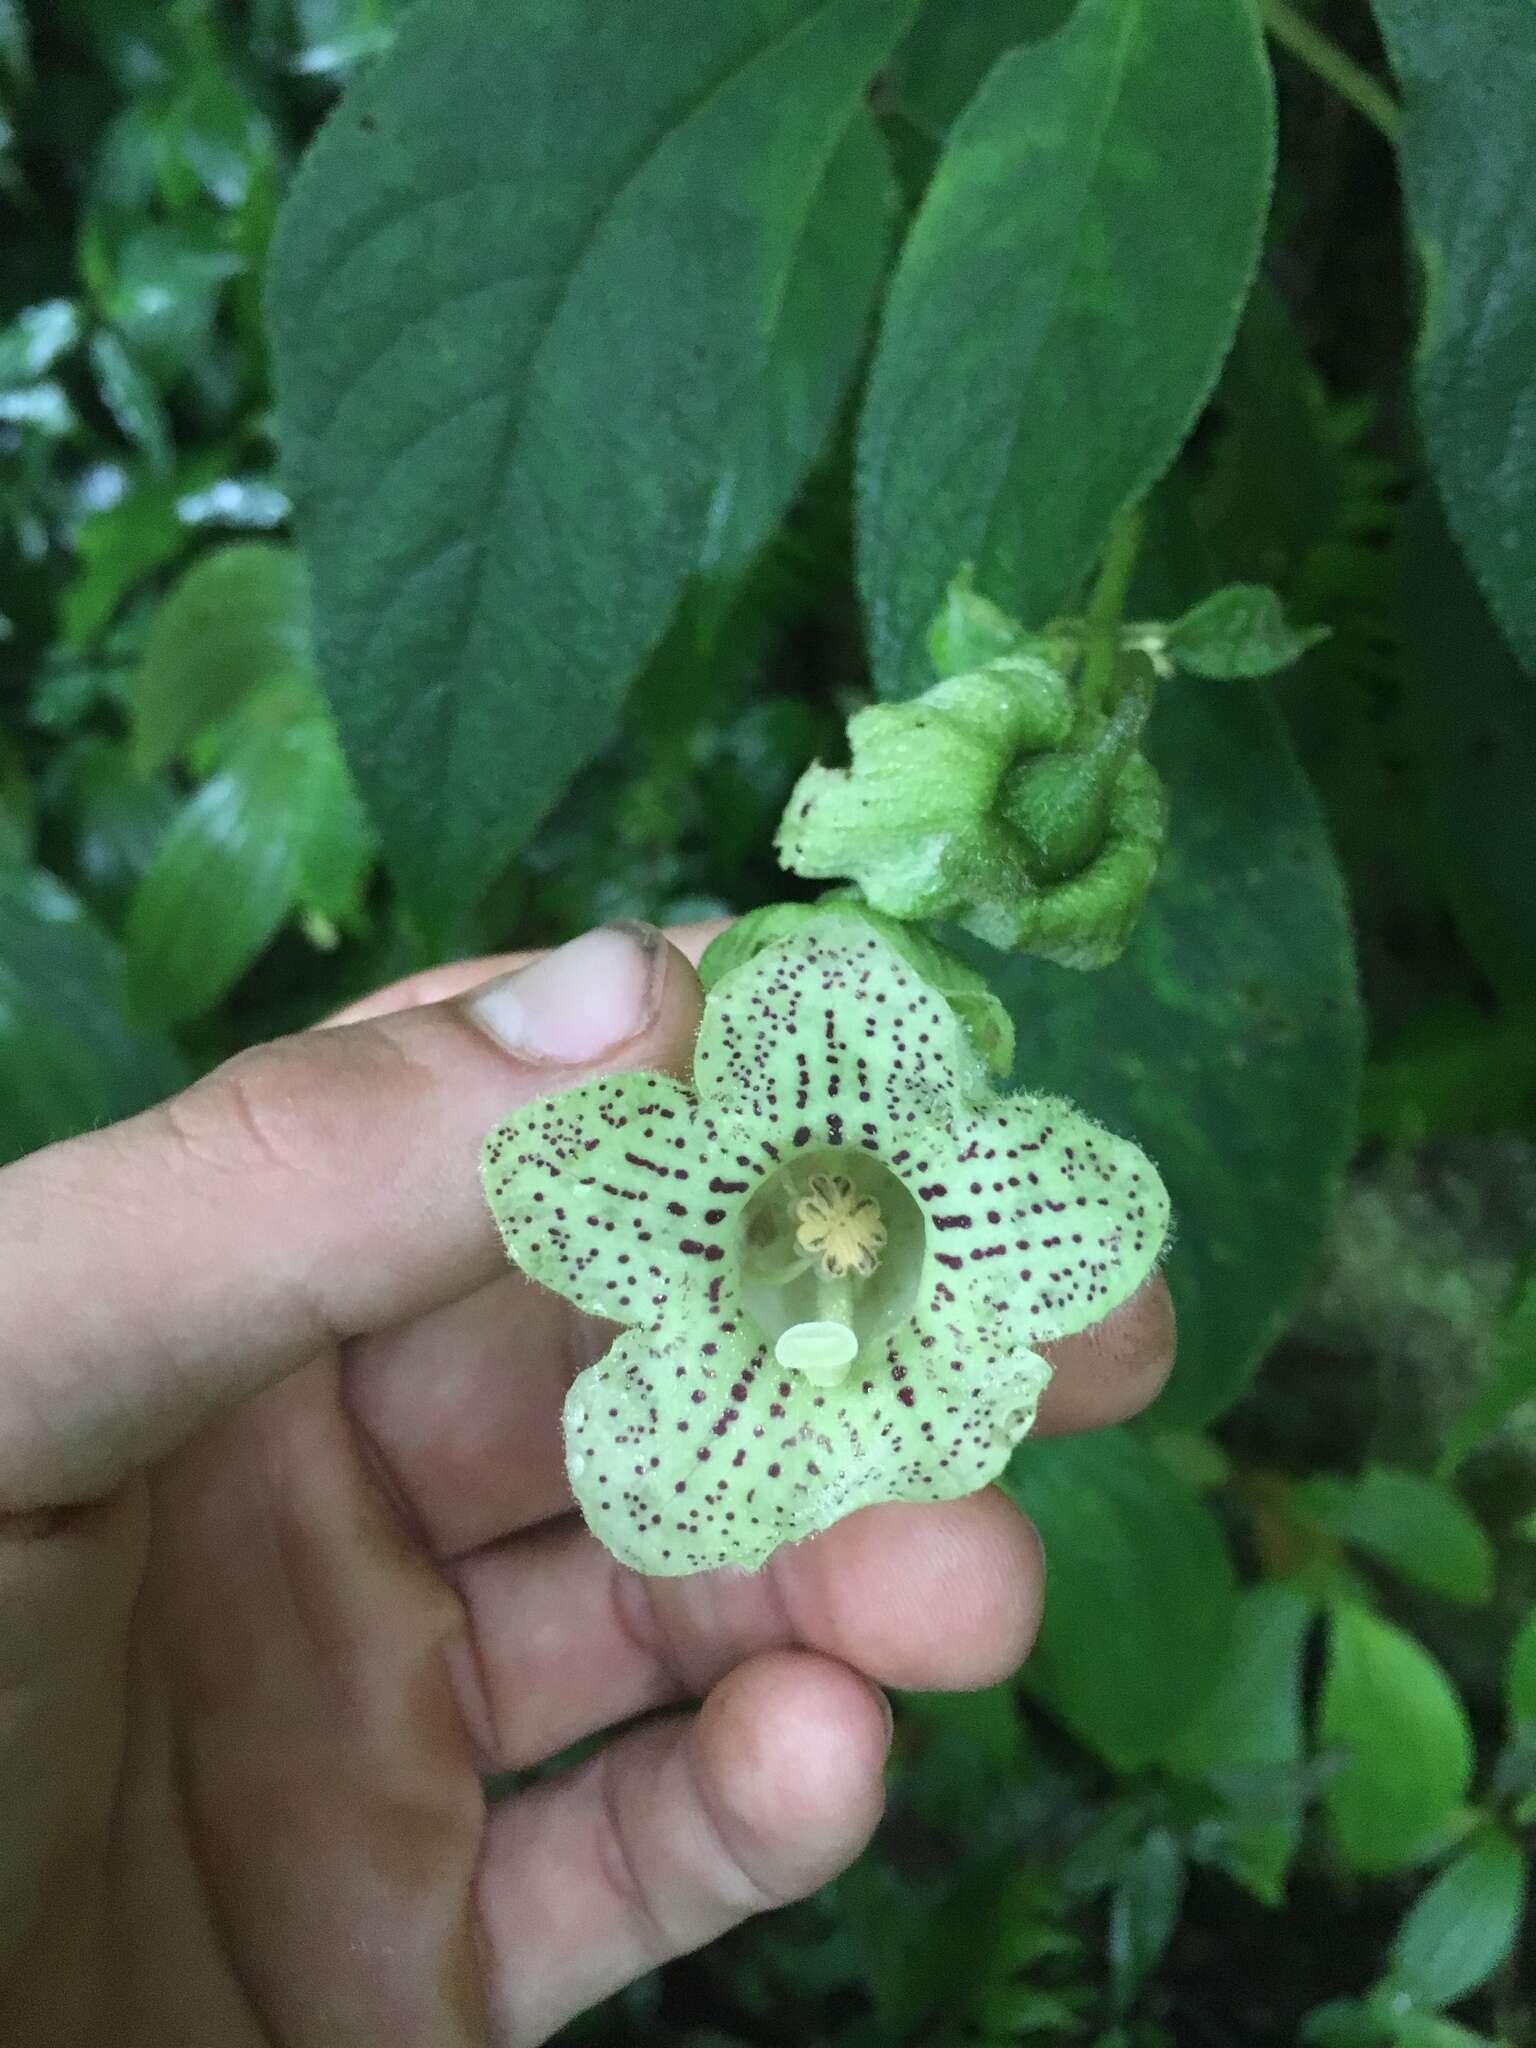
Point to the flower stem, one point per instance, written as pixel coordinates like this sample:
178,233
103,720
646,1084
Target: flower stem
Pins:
1106,607
1351,81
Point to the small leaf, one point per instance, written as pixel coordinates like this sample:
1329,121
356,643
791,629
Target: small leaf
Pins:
131,398
1462,1928
334,845
44,406
1408,1748
1468,163
117,548
1239,632
1251,1716
68,1058
231,868
1511,1382
1415,1525
1061,309
238,618
36,338
1142,1604
1143,1913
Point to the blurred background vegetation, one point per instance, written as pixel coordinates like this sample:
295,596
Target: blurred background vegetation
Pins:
1269,1771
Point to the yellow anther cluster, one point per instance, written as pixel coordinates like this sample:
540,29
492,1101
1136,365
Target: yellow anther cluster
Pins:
839,1226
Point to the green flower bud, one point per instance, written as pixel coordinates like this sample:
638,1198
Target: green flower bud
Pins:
1087,920
913,820
1061,805
992,802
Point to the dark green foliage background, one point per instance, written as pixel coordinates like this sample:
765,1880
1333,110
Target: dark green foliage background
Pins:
470,535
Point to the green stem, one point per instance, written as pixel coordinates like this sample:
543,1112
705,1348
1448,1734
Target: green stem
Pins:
1351,81
1106,607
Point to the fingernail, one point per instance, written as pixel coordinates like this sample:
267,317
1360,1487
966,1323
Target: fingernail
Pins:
890,1721
580,1002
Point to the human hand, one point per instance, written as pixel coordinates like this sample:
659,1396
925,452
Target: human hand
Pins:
287,1563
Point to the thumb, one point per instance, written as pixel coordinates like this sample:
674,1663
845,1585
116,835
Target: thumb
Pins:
308,1191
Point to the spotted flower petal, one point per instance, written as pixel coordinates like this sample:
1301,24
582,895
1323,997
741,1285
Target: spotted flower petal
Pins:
681,1466
766,1387
832,1039
1037,1220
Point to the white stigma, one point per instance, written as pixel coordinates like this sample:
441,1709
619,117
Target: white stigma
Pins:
822,1351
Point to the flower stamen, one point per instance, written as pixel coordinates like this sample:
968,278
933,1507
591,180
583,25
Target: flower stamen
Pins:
839,1226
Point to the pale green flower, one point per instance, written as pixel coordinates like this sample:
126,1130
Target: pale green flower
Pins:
837,1256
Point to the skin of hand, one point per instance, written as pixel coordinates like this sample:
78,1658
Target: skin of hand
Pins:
288,1564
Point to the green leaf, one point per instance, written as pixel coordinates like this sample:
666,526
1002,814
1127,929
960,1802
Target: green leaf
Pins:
1413,1524
68,1059
163,294
1462,1928
1249,1721
1472,714
238,618
1468,162
1408,1749
1341,2023
1520,1674
1142,1597
949,51
45,407
1272,489
117,547
1453,1068
536,433
1239,632
817,336
114,816
34,341
1511,1382
231,867
1427,2030
1227,1038
334,843
130,397
1143,1912
1061,309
